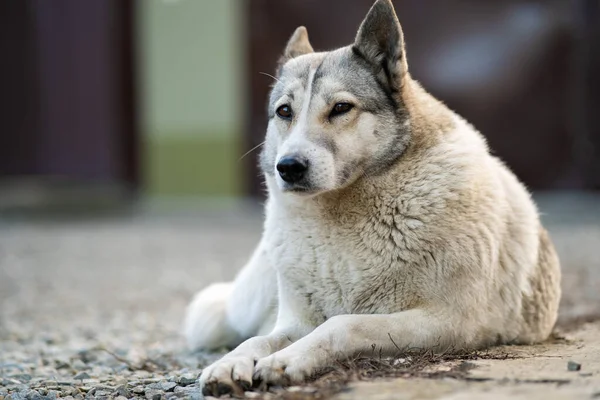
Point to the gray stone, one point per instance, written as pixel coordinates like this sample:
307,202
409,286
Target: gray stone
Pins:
33,395
122,391
61,364
87,356
138,390
78,365
168,386
68,391
17,396
24,378
186,380
192,392
81,376
573,366
154,394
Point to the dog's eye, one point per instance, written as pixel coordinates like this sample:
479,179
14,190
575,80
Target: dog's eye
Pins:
340,108
284,112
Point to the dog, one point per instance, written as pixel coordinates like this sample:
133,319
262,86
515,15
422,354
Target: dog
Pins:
388,225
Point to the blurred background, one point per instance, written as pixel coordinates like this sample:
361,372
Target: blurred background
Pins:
114,101
123,124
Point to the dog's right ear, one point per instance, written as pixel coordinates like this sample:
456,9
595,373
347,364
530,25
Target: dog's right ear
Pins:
296,46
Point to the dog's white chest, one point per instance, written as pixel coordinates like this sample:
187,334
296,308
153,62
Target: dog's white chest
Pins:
334,270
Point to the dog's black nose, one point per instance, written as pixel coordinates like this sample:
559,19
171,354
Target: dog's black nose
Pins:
292,169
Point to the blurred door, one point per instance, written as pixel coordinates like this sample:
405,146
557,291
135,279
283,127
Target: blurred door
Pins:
66,109
520,71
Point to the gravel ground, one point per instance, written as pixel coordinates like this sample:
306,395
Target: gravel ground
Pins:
92,307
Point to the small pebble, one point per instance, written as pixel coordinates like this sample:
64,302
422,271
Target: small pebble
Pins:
122,391
61,364
186,380
78,365
573,366
22,377
33,395
189,391
81,376
68,391
167,386
138,390
87,356
153,395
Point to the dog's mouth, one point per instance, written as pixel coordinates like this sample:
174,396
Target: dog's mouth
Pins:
299,189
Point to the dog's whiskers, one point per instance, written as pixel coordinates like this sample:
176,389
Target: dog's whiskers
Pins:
269,75
250,151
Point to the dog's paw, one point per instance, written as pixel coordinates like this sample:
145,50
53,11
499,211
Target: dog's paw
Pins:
284,369
230,375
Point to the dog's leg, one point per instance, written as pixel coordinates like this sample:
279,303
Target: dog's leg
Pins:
235,370
345,336
224,314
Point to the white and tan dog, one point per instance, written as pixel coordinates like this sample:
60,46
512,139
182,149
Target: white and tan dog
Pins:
387,218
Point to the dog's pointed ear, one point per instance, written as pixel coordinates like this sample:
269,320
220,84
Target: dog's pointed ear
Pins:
381,42
296,46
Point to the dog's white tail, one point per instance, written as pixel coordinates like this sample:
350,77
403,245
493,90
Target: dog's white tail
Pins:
225,314
206,324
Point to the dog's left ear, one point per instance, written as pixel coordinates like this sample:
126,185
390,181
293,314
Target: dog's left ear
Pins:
381,42
296,46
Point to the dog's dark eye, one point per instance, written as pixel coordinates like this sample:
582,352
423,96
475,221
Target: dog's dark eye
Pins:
284,112
340,108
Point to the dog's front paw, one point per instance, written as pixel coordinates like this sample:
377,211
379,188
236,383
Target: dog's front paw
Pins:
284,369
230,375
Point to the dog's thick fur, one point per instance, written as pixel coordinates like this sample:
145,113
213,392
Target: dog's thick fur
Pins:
404,228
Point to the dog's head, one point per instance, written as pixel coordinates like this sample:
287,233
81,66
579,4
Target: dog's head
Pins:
336,116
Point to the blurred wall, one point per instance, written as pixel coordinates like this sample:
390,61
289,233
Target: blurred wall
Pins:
524,72
191,96
163,97
66,103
